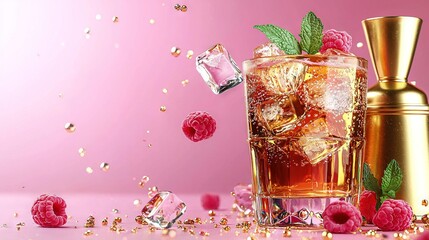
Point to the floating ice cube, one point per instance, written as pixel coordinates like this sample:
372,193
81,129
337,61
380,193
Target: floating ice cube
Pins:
315,139
327,88
267,50
243,197
279,114
163,210
218,69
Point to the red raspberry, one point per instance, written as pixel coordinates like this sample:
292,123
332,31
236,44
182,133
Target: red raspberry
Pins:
210,201
341,217
199,126
340,40
49,211
393,215
367,203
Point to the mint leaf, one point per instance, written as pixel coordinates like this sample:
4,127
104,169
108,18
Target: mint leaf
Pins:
281,37
382,199
369,181
311,33
392,178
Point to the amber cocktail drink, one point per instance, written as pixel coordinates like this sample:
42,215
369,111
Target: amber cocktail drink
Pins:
306,117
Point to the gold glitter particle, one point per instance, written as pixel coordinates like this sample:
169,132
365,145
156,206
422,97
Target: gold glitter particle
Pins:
104,166
87,30
212,213
164,90
89,170
115,210
88,233
425,202
175,51
326,235
115,19
98,17
15,214
190,54
189,222
359,45
82,152
137,202
149,145
183,8
104,222
223,221
177,7
139,219
152,21
70,127
163,108
287,233
117,220
185,82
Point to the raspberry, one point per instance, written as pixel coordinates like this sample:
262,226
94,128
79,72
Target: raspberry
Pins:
49,211
199,126
367,203
340,40
210,201
393,215
341,217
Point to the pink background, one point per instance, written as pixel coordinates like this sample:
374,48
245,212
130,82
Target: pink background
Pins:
111,86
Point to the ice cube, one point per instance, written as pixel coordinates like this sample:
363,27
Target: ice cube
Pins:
218,69
327,88
163,210
243,197
315,139
279,114
267,50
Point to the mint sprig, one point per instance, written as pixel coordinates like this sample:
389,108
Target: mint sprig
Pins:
390,182
311,33
311,36
281,37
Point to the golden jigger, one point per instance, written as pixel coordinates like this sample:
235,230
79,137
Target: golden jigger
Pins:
397,122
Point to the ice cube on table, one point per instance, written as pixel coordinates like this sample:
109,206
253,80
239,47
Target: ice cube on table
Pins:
163,210
218,69
315,139
267,50
279,114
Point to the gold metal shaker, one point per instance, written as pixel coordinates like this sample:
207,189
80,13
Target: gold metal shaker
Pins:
397,122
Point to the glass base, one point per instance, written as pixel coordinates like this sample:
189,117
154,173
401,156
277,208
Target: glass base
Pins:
292,212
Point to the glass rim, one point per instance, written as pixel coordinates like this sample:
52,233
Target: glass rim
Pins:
306,56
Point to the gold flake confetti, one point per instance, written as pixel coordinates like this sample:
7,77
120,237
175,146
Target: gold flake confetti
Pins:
163,108
185,82
359,44
326,235
87,30
287,233
425,202
115,19
183,8
149,145
70,127
117,220
89,170
223,221
104,222
190,54
88,233
177,7
115,210
175,51
152,21
98,17
164,90
212,213
82,152
15,214
104,166
137,202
